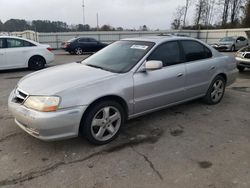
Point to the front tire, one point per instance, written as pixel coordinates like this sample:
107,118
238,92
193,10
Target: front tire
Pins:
216,91
36,63
233,48
240,68
102,122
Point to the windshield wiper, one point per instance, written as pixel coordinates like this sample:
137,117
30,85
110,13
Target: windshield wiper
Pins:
95,66
98,67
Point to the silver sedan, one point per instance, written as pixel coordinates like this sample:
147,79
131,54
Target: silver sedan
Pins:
127,79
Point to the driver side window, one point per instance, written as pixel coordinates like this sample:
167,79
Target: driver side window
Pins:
169,53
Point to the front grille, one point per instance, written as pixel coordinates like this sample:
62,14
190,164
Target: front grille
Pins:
19,96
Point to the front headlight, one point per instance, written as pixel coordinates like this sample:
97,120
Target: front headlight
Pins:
43,103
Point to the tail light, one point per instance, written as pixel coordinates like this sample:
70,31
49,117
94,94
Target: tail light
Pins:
50,49
66,45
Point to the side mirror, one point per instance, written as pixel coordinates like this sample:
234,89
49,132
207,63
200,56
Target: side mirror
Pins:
153,65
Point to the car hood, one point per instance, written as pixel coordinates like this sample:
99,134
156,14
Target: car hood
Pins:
225,43
53,80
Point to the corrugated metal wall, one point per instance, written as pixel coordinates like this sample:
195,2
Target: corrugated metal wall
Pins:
55,39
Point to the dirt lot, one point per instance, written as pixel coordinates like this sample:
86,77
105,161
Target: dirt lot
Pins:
187,146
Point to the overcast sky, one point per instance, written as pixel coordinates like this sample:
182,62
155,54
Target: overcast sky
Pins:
126,13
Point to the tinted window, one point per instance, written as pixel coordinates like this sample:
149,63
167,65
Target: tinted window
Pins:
168,53
27,44
92,40
1,43
16,43
83,40
242,39
194,51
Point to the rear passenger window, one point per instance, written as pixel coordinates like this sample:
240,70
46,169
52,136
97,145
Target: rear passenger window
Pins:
195,51
83,40
14,43
27,44
168,53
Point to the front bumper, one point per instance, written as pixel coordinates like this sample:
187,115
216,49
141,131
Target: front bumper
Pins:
223,48
244,62
47,126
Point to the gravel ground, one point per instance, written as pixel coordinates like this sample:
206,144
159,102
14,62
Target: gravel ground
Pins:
191,145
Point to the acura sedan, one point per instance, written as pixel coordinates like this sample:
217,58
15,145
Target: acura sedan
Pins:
127,79
16,52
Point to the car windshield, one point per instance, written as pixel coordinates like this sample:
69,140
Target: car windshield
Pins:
120,56
227,39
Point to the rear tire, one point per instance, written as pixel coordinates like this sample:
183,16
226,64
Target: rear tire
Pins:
240,68
78,51
36,63
216,91
103,122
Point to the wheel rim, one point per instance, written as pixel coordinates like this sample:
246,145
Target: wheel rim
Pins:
218,90
106,123
78,51
38,64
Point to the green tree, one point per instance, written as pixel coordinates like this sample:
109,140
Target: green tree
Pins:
106,28
1,26
246,18
16,25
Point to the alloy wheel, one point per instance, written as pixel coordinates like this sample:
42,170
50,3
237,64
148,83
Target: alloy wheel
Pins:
106,123
218,90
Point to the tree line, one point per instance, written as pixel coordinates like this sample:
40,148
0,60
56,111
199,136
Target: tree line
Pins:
212,14
50,26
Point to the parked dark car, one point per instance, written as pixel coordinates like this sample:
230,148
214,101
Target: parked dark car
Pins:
82,45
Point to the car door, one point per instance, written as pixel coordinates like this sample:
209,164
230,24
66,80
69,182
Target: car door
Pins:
84,44
2,53
200,68
244,42
16,53
158,88
94,45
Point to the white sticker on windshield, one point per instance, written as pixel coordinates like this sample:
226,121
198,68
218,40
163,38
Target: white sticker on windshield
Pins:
139,47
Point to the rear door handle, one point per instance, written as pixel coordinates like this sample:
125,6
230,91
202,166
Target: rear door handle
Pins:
212,68
180,75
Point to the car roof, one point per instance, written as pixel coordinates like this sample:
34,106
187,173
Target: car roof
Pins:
159,39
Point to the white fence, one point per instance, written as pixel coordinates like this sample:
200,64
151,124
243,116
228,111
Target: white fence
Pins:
55,39
25,34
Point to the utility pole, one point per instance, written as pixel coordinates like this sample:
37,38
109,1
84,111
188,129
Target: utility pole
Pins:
83,11
97,22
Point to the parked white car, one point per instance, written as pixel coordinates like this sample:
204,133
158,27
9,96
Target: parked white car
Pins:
17,52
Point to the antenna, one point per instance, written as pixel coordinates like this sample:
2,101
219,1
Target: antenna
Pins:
83,11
